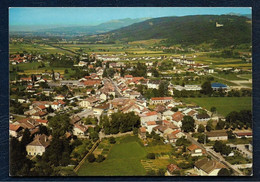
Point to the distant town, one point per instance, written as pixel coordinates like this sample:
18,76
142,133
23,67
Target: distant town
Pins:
135,109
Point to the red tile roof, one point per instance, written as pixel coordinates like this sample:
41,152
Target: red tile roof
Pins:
92,82
193,147
177,116
172,167
151,113
151,123
41,121
243,133
143,129
14,127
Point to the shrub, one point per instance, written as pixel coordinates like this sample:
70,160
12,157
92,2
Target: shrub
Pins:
91,158
150,156
112,140
100,158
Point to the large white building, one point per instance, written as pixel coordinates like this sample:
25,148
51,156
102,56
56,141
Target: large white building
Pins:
38,145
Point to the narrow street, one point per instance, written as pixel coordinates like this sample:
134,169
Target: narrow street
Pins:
117,90
215,155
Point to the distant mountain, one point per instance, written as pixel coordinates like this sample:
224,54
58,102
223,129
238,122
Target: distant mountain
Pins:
238,14
188,30
84,30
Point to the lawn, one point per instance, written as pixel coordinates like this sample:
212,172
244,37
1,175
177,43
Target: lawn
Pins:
124,159
230,76
224,105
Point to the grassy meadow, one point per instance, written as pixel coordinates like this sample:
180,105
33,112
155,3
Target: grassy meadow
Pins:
124,158
127,158
224,105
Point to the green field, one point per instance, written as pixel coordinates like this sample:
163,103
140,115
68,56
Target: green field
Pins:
230,76
246,76
224,105
124,159
39,48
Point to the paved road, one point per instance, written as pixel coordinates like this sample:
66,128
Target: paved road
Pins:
102,135
117,90
215,155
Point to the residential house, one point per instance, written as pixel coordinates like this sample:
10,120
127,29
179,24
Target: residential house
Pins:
208,167
177,118
149,116
241,134
202,117
195,150
79,130
161,100
38,145
217,135
174,135
167,115
153,84
14,130
150,125
142,132
172,170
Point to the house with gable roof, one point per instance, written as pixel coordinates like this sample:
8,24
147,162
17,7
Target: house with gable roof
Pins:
38,145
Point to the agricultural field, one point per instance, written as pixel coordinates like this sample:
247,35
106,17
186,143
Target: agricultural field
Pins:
224,105
128,152
221,62
230,76
245,76
124,158
33,68
33,48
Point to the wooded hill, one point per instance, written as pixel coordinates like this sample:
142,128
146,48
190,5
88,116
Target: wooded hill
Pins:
188,30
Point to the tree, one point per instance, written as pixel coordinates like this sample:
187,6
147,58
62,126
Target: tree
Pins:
60,124
112,140
163,89
222,148
91,158
220,125
151,173
135,131
66,71
203,138
231,135
209,126
26,139
224,172
213,109
150,156
174,109
100,158
206,88
188,124
161,172
182,142
201,128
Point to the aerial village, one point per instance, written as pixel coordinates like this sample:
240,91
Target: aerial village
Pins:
111,101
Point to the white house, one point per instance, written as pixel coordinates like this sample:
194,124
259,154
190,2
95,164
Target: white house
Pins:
150,116
79,130
217,135
38,145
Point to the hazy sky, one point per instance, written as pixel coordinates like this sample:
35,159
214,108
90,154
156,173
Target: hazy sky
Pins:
93,16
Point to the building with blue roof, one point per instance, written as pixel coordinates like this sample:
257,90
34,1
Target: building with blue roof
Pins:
216,86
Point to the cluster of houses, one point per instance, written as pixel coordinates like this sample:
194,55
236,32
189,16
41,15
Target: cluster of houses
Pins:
107,96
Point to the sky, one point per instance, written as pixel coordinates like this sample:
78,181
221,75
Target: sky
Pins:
93,16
